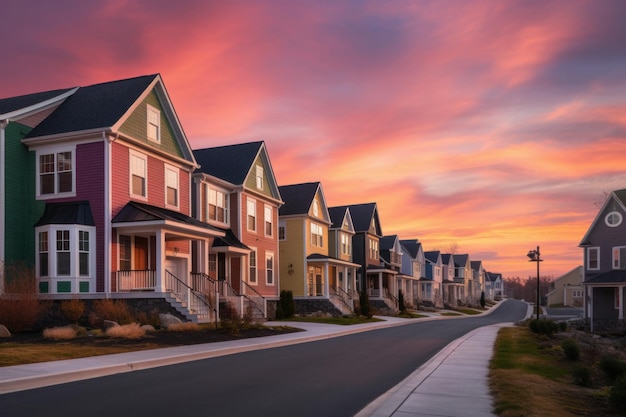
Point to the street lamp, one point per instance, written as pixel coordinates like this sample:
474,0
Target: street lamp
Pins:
535,256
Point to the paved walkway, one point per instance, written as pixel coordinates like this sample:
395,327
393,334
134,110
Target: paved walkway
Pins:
453,383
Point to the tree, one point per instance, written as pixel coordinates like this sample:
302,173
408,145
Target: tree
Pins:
482,299
365,304
401,305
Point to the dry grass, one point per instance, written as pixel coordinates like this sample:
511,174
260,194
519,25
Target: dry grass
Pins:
127,331
60,333
184,327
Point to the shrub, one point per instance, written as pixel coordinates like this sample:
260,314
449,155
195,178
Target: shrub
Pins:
571,349
562,326
401,304
482,299
187,326
543,327
114,310
60,333
127,331
582,375
72,309
20,307
613,367
229,319
364,301
617,395
286,307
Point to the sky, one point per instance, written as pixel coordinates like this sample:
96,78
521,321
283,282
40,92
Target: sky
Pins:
480,127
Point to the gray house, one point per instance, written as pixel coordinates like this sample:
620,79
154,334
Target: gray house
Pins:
604,253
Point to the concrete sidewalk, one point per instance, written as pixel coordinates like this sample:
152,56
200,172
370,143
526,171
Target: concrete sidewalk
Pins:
452,383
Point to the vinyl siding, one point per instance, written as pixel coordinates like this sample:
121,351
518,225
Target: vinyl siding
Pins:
292,252
250,182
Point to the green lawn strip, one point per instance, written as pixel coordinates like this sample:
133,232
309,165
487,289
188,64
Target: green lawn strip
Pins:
344,321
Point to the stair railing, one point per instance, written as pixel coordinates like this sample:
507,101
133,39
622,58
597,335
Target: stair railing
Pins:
255,298
197,302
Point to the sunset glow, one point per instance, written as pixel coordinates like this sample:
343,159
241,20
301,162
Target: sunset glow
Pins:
489,126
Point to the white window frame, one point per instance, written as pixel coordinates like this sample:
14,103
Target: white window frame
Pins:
219,199
317,235
613,215
132,169
597,250
259,177
251,208
55,152
172,180
270,269
268,212
282,230
616,254
253,270
346,244
74,249
153,123
373,246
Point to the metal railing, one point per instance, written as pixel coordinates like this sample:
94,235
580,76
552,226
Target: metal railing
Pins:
136,280
316,290
197,302
342,296
255,298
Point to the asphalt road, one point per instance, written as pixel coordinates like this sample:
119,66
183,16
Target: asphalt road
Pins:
333,377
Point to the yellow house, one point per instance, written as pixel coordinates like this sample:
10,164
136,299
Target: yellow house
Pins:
307,268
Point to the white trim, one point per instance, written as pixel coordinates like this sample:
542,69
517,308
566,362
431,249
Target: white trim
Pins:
55,151
135,154
613,213
268,254
35,108
151,110
176,171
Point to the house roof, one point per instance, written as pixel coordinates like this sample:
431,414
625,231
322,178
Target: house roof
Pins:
432,256
140,212
12,104
75,212
97,106
411,247
337,214
231,163
445,258
475,265
388,242
362,215
614,276
229,240
619,196
461,260
297,197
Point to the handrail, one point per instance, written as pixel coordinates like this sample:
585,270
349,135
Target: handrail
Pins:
257,300
199,303
342,295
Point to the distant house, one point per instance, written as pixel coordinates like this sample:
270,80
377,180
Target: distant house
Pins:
604,252
494,286
413,266
317,280
478,279
453,286
431,285
392,257
236,191
567,290
463,273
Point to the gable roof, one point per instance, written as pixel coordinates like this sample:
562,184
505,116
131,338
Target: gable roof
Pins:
97,106
297,197
362,215
461,260
231,163
445,258
619,196
475,265
337,217
432,256
388,242
411,247
16,107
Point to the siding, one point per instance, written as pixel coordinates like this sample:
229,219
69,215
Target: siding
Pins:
292,252
250,182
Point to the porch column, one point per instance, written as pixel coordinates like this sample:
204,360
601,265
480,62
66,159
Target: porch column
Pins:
160,261
242,271
380,284
590,307
620,300
346,277
326,280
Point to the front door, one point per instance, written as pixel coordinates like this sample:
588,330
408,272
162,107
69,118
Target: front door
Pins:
141,253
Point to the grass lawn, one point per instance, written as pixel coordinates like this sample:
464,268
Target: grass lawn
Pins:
344,321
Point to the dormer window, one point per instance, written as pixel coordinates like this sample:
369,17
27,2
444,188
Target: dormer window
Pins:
613,219
259,177
154,124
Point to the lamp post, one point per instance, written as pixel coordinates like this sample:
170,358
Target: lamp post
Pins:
535,256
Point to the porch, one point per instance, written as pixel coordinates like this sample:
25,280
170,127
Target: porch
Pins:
382,288
332,279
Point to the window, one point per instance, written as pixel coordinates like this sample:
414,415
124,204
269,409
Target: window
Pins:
217,206
577,293
83,252
63,252
269,221
154,124
251,216
346,243
317,235
259,177
213,265
593,258
43,254
316,208
269,268
619,257
282,230
253,267
138,174
125,253
613,219
171,186
373,249
56,174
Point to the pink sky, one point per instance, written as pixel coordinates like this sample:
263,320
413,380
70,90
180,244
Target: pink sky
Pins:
491,126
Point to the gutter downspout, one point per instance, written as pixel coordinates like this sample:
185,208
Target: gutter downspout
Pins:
107,212
3,125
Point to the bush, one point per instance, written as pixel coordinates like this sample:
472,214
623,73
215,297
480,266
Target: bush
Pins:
571,349
59,333
127,331
229,319
286,307
20,307
482,299
543,327
72,309
401,304
617,395
613,367
114,310
364,301
582,375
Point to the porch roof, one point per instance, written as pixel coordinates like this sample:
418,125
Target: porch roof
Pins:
229,240
134,213
611,277
74,212
330,259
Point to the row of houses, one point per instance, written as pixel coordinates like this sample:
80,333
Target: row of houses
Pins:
103,197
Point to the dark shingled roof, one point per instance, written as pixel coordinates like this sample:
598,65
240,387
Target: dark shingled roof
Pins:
411,247
12,104
140,212
362,215
386,242
337,215
230,163
97,106
445,258
614,276
297,197
229,240
432,255
75,212
461,260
